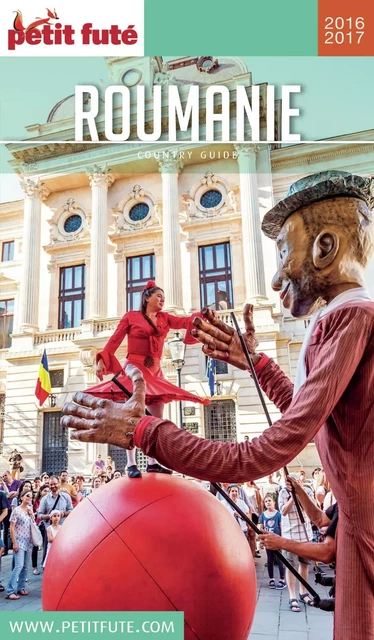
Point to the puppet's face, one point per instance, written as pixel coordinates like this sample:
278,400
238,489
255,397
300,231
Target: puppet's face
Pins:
295,278
323,250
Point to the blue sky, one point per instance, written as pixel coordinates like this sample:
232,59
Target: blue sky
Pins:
336,93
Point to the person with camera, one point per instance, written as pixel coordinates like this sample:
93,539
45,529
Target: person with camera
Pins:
16,461
56,499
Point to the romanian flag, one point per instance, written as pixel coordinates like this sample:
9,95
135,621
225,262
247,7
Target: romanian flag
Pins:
43,385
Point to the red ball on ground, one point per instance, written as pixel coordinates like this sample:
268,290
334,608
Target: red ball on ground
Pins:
159,543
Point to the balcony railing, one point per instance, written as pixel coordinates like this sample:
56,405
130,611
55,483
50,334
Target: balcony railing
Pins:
107,326
225,316
101,326
62,335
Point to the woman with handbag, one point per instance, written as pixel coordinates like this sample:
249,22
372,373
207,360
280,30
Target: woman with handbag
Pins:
44,489
21,522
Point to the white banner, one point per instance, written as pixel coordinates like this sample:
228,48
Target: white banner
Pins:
73,28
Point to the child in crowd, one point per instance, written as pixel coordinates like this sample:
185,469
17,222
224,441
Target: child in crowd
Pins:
270,520
52,530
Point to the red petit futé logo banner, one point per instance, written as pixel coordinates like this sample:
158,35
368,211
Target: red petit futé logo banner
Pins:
73,30
41,30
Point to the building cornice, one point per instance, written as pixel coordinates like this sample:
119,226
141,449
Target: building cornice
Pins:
322,151
322,156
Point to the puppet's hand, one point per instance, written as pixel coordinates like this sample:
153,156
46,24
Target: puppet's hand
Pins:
221,341
100,420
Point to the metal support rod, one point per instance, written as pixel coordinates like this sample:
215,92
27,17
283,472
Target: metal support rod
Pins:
180,413
279,555
266,411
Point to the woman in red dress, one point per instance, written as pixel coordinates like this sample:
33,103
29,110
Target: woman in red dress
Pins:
147,330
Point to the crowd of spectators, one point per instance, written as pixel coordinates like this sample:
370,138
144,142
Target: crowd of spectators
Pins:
48,500
270,505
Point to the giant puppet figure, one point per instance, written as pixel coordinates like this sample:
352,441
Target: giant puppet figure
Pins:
323,233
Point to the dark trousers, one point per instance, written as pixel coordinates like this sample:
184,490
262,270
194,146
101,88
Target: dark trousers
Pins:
6,525
34,553
45,545
34,557
271,560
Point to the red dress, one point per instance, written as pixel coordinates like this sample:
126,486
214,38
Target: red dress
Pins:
144,350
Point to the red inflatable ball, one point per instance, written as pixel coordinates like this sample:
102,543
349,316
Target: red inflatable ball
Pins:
159,543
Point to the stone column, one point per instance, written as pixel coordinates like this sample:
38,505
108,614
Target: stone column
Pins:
35,193
192,248
251,223
170,169
119,259
159,261
53,287
100,181
237,262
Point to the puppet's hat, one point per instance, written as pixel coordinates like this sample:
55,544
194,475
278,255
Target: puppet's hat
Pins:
318,186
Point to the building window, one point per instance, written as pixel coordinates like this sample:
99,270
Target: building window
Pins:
71,296
221,368
139,212
7,253
220,421
73,223
57,378
6,322
211,199
215,276
139,270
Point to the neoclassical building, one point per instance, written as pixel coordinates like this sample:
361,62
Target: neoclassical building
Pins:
99,219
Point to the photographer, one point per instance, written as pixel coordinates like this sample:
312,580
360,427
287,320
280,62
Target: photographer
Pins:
16,461
51,501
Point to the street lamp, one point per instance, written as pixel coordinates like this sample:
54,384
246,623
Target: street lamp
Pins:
177,350
53,400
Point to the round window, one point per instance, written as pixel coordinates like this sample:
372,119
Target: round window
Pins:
211,199
72,223
131,77
139,212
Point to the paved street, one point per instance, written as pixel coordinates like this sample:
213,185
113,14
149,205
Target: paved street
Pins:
273,620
